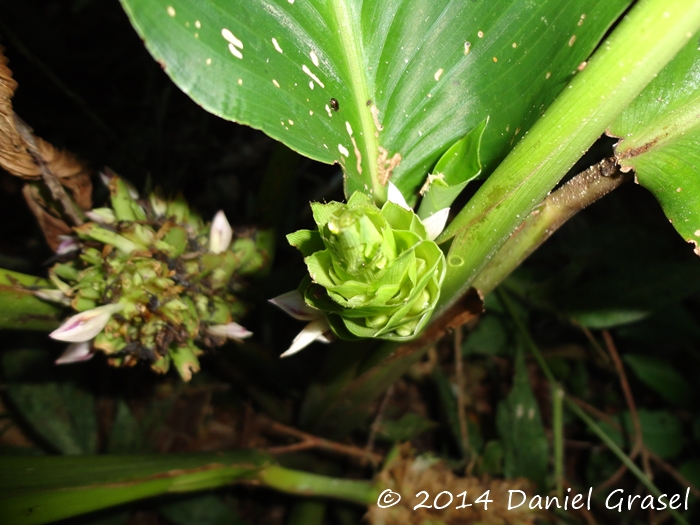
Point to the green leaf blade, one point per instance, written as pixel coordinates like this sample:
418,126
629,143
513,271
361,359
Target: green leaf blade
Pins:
660,135
406,78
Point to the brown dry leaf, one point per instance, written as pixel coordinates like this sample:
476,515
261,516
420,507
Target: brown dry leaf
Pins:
408,476
23,155
52,226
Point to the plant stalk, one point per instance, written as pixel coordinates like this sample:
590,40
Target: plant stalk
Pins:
646,39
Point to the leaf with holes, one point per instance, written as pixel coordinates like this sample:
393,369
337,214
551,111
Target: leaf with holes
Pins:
382,87
660,135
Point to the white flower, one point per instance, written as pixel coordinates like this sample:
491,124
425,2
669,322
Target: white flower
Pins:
433,224
84,326
318,328
436,223
75,352
101,215
230,330
221,233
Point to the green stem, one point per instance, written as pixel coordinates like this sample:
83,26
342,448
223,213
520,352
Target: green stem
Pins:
614,448
307,484
557,208
646,39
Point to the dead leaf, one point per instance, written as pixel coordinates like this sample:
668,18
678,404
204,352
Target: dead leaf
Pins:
24,155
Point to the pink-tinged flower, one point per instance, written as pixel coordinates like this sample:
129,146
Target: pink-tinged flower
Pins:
85,325
318,329
292,303
75,353
68,244
221,233
230,330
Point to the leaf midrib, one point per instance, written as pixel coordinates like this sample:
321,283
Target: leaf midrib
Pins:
351,46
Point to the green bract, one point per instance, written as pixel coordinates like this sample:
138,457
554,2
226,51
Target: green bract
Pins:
373,272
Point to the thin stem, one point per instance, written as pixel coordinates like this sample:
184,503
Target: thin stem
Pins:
558,428
581,414
459,373
310,441
638,437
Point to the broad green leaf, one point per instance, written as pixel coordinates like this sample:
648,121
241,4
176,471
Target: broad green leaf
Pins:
381,86
19,309
660,375
521,430
660,135
60,413
662,432
456,168
36,490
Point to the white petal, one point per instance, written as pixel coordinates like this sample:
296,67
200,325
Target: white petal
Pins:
55,296
221,233
230,330
436,223
293,304
314,331
74,353
101,215
85,325
68,244
107,175
396,196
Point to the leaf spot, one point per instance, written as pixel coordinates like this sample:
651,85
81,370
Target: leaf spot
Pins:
515,44
306,70
438,74
291,122
197,24
311,84
277,84
467,47
240,81
572,40
171,10
231,38
277,45
343,150
290,1
519,411
375,115
678,190
328,110
697,233
583,17
348,127
480,34
208,61
531,413
311,112
234,51
314,58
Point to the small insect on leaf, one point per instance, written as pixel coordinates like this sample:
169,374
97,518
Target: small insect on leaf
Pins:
334,104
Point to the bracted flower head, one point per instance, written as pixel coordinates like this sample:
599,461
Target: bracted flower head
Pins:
372,272
151,281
